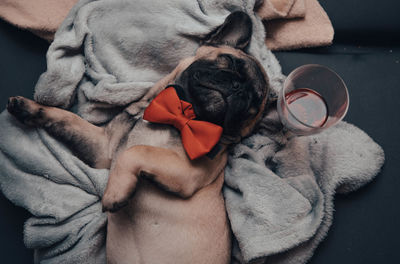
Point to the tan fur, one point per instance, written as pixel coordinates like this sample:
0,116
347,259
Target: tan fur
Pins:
162,227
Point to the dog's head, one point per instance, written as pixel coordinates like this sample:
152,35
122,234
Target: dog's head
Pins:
225,85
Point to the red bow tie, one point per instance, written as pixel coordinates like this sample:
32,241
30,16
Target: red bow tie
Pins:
198,137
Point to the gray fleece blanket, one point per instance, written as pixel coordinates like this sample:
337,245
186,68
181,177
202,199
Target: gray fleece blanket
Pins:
107,54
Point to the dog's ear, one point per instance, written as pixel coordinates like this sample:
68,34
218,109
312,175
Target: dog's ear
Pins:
235,32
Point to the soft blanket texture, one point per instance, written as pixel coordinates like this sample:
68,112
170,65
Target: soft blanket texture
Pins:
282,9
296,24
311,26
42,17
278,191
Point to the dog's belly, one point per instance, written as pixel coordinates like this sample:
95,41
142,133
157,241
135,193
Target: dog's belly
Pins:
160,228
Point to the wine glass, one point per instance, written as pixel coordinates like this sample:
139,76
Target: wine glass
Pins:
312,99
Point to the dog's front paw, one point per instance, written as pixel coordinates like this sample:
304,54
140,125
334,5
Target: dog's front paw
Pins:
26,111
118,192
112,203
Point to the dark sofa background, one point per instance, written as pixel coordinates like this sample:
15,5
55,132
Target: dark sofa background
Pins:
366,53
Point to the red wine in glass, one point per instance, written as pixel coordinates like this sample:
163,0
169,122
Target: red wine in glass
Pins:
307,106
312,99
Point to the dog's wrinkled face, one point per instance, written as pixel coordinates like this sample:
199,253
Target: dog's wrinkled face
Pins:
227,86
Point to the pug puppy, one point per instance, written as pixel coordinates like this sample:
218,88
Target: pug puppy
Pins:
162,206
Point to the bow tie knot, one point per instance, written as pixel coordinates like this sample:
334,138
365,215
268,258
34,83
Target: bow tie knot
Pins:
180,122
198,137
187,114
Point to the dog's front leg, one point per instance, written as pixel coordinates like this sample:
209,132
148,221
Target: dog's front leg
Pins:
87,141
170,170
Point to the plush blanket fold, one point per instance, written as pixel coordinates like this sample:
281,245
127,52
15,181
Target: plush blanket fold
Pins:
290,185
296,24
278,191
62,193
43,17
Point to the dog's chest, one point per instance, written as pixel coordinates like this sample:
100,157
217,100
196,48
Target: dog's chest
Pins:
157,135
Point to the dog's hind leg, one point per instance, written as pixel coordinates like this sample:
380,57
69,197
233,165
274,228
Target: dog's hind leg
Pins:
87,141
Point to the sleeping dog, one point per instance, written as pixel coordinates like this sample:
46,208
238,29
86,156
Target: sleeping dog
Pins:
163,206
